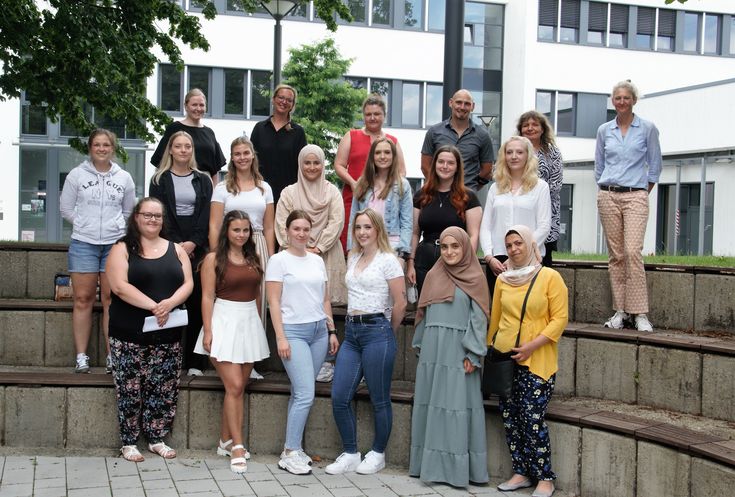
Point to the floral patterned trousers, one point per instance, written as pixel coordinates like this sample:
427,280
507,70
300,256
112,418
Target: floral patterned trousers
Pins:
525,427
147,386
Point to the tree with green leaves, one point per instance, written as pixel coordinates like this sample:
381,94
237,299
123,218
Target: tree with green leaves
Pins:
69,54
328,106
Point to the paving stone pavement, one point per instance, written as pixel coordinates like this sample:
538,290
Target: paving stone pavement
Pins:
199,474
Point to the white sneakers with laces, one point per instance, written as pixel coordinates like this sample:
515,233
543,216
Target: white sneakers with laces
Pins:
642,323
617,321
345,463
295,462
373,462
82,364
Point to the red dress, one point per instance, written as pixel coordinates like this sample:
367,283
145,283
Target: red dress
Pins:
359,149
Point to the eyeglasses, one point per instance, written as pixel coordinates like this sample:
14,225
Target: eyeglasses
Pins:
284,99
150,215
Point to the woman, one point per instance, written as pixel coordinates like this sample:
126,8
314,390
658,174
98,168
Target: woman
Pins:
534,126
448,423
376,304
518,196
278,141
149,277
354,149
301,313
536,356
321,200
97,198
627,167
244,189
207,152
442,202
382,188
185,193
232,334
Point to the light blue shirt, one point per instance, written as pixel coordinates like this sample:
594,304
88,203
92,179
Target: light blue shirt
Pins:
633,160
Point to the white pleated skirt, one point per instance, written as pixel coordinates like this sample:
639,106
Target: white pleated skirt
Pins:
237,333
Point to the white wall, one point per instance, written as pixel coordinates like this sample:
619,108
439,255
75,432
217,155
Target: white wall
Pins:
10,183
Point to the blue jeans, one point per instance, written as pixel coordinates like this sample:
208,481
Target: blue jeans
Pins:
368,350
309,344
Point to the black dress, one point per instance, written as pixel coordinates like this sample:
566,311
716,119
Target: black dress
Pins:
207,151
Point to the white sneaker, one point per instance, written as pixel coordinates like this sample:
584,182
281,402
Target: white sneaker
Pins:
82,364
254,375
642,323
108,365
293,463
345,463
301,454
617,321
373,462
195,372
326,373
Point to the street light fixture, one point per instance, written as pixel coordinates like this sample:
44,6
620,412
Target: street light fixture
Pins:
278,9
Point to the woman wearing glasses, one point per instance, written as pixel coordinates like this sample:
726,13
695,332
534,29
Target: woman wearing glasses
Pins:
278,141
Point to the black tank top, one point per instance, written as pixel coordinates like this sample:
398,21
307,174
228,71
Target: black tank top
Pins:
158,279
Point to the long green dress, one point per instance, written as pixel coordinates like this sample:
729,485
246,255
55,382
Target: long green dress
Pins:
448,426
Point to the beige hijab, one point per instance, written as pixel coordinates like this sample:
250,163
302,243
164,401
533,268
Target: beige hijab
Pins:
522,274
311,196
467,274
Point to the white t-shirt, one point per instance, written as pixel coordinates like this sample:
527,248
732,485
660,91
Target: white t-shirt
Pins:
369,292
304,285
252,202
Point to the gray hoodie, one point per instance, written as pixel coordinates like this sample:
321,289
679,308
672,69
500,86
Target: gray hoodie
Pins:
97,204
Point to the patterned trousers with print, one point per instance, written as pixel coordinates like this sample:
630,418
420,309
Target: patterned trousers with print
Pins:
624,217
147,387
526,433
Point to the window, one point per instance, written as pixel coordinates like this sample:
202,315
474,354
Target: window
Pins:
383,87
170,84
565,113
32,116
732,35
413,13
235,91
200,77
434,104
411,105
259,89
543,104
548,11
666,30
618,26
437,10
381,12
569,26
711,34
691,32
646,27
357,83
357,9
597,23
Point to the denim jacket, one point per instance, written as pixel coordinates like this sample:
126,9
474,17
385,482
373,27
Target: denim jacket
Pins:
398,216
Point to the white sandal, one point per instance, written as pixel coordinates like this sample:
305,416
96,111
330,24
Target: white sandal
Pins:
222,449
131,453
162,450
239,465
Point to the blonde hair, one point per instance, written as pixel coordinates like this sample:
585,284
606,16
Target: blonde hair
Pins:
194,92
628,86
377,221
290,88
367,178
231,175
530,172
167,162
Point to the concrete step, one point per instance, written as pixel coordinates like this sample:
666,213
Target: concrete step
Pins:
599,447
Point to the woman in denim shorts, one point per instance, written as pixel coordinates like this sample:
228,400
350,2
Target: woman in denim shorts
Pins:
376,304
97,198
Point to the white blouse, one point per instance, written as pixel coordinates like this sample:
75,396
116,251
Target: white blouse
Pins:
368,292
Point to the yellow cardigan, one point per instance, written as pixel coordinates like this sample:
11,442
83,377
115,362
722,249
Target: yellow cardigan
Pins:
546,314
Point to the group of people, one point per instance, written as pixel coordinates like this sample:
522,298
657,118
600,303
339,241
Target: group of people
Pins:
272,237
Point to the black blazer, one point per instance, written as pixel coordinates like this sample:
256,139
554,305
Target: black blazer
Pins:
164,191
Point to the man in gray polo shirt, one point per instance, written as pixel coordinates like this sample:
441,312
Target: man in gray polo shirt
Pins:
472,141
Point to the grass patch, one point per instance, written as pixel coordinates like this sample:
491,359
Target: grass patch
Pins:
684,260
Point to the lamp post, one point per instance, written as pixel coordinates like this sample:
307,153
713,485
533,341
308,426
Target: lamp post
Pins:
278,9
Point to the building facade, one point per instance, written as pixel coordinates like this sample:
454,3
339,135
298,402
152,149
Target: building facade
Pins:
558,56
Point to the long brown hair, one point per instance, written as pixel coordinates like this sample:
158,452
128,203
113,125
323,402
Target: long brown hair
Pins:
367,178
547,132
231,176
459,195
223,246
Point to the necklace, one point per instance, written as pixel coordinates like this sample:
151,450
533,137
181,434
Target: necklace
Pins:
442,197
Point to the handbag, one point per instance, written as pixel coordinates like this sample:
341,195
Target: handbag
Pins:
499,367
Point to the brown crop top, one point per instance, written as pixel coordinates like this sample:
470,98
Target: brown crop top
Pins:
240,284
